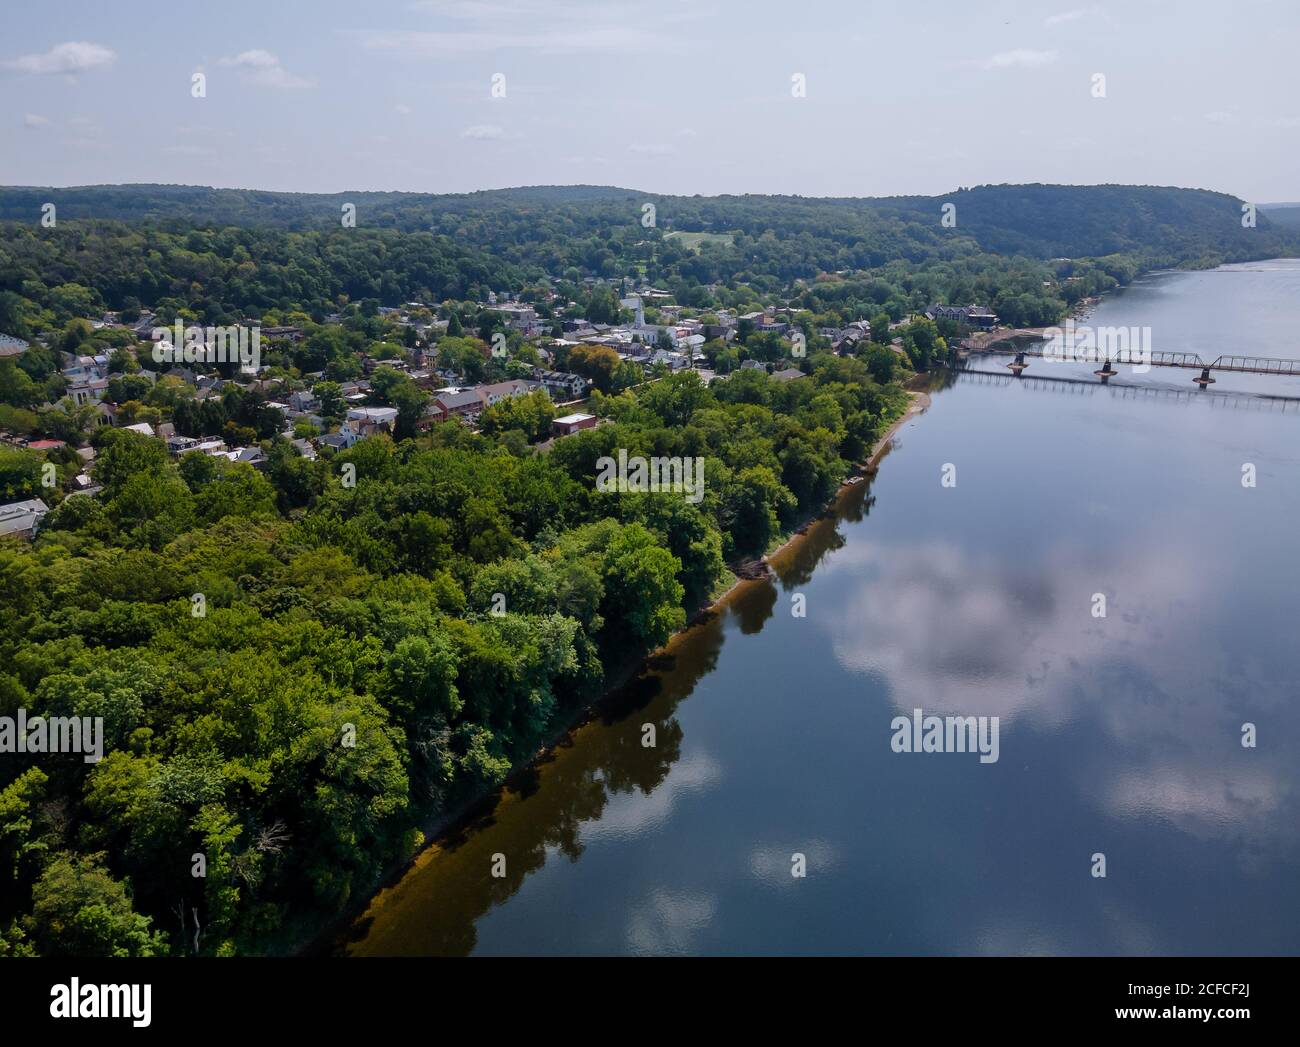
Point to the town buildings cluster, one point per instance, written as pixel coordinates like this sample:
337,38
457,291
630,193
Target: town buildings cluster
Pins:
653,334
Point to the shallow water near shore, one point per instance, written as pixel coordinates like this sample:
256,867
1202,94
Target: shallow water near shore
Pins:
1119,736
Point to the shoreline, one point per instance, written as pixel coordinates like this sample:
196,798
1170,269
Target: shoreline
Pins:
330,938
919,402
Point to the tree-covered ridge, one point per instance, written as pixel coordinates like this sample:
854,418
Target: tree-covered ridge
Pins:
1028,252
350,675
600,230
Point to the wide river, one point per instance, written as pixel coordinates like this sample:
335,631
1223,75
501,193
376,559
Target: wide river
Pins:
1119,736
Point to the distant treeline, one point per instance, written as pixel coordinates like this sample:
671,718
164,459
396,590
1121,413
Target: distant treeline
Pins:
1027,251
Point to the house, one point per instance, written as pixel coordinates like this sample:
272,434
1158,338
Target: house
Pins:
143,327
178,445
22,518
673,359
789,374
301,400
638,309
253,456
967,315
519,317
341,440
495,391
846,341
88,391
84,484
11,346
143,428
571,423
455,403
305,449
373,417
560,385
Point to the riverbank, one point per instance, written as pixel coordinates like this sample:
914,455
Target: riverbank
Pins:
918,401
448,824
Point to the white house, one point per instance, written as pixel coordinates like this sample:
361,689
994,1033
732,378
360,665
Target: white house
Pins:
22,518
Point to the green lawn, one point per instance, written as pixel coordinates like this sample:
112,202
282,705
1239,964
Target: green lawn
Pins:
693,241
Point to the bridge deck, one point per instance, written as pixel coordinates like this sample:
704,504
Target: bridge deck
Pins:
1091,387
1191,361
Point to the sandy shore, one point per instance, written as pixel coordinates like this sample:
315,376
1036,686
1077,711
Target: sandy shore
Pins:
919,402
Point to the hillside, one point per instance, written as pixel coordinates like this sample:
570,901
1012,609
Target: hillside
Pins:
1040,221
1285,215
1029,252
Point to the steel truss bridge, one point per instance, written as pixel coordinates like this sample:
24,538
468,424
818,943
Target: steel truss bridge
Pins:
1066,386
1166,358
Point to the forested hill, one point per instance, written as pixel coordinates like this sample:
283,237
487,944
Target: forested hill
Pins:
1170,225
1284,215
1053,221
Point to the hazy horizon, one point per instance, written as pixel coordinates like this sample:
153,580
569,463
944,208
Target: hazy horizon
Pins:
452,96
641,190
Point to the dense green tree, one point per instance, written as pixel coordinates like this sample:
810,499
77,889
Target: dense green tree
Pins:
79,910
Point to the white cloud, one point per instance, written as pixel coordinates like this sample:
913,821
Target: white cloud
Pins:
264,69
403,108
1066,16
438,44
72,57
543,26
1020,57
483,132
651,149
670,922
33,120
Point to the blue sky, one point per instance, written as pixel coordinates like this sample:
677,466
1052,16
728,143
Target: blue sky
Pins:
666,96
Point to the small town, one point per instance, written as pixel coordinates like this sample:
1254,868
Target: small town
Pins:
417,368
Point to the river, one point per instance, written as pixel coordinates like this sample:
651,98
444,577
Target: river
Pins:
1119,736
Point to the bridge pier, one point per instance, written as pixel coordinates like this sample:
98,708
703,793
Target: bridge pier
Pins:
1204,379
